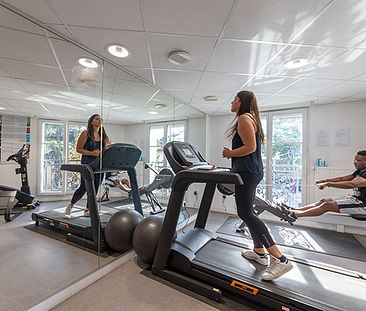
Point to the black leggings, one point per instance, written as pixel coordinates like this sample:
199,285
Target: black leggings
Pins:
78,194
244,198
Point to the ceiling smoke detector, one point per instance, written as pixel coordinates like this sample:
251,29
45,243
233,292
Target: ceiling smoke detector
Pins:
210,98
297,63
179,57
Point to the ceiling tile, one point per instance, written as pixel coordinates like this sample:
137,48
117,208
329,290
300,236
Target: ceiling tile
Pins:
114,14
177,79
199,48
38,9
271,20
241,57
204,17
346,66
25,47
344,89
27,71
97,39
309,87
10,84
341,25
281,101
268,84
212,81
318,57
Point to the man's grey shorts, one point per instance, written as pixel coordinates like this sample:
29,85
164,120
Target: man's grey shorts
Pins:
351,205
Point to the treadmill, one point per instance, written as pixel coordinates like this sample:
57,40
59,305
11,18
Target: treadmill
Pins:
211,266
89,231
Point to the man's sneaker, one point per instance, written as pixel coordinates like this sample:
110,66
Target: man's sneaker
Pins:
252,255
86,212
276,268
68,212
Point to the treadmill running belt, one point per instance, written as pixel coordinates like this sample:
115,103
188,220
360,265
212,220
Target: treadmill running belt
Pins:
314,286
310,239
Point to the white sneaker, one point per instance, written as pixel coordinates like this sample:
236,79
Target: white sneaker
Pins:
86,212
68,212
252,255
276,268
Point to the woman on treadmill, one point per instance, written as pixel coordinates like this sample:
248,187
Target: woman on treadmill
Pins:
89,145
247,135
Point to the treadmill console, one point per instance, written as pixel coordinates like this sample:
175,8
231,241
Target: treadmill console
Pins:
182,155
187,153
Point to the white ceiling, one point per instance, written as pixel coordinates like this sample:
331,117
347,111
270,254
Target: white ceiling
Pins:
234,44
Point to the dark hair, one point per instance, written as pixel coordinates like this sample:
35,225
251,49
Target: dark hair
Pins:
102,132
248,104
362,153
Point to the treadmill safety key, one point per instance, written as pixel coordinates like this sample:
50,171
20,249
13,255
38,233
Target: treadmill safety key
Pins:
244,287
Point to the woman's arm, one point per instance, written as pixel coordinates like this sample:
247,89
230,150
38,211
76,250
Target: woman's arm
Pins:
246,130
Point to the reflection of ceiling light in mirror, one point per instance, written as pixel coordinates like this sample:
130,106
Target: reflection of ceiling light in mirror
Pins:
160,106
119,107
297,63
179,57
2,108
118,50
88,62
210,98
152,112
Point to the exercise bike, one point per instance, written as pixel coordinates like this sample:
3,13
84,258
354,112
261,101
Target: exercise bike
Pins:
162,180
23,197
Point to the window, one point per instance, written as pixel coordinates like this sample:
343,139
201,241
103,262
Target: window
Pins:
58,147
159,135
283,157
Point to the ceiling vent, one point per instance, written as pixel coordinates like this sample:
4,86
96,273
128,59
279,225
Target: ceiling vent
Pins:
179,57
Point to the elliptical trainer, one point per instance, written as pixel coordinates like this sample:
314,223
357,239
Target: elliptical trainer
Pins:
23,195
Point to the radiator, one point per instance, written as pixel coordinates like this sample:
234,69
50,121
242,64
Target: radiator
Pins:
327,173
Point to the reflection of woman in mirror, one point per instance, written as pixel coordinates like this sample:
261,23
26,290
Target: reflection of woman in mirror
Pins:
247,135
89,145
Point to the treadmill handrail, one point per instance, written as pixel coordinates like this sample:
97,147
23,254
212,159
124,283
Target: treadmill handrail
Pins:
84,169
186,177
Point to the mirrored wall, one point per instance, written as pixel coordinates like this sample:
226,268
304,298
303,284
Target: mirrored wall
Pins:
49,87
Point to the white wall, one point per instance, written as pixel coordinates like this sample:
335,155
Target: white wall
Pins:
196,129
335,117
7,171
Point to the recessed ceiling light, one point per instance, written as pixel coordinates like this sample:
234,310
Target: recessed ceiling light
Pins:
160,106
297,63
210,98
179,57
88,62
152,112
118,50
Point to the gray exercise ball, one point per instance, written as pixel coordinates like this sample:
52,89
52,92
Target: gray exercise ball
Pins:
119,229
146,237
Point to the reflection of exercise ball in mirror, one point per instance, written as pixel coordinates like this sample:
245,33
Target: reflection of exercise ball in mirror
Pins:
120,228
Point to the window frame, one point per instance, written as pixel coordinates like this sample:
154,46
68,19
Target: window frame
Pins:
66,124
269,115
